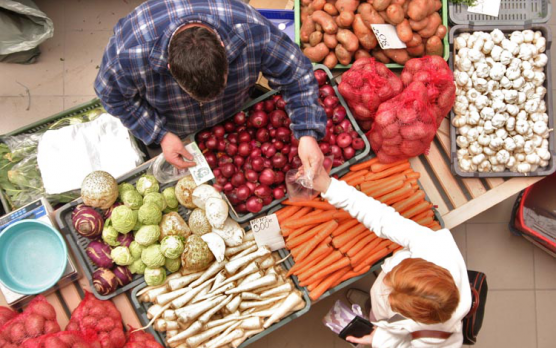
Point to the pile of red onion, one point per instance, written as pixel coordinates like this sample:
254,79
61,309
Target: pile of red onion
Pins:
251,153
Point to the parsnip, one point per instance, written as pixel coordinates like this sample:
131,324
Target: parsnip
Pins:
183,281
218,280
211,271
224,339
251,277
246,296
201,295
169,314
162,325
190,331
250,304
264,281
234,304
249,236
250,268
237,342
196,340
290,302
194,311
268,262
149,296
185,298
208,314
163,299
284,288
154,310
249,250
234,250
252,323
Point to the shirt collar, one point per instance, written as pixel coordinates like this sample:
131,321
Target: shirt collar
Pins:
233,42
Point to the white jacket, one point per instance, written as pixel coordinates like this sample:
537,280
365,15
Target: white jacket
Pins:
418,242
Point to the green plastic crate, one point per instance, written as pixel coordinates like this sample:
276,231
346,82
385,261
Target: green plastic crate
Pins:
443,12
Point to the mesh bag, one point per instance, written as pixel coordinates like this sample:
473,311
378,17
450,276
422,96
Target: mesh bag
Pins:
102,317
365,86
435,74
6,315
141,339
404,126
39,318
64,339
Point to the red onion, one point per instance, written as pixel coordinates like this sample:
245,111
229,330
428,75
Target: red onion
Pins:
338,162
218,187
238,179
324,148
228,187
229,126
286,168
283,134
267,163
344,140
239,161
251,175
285,149
258,107
279,145
326,137
263,135
204,135
224,159
240,118
241,129
232,197
231,149
270,151
241,208
294,141
329,123
287,123
222,144
328,111
268,105
281,104
251,131
251,185
321,77
293,153
296,162
336,151
346,125
278,193
258,119
247,166
331,101
358,144
244,149
349,152
277,118
272,132
233,138
254,204
276,97
338,130
211,159
339,114
279,177
279,160
221,181
243,137
257,163
212,143
256,152
267,177
265,146
332,139
217,173
228,170
255,144
262,191
326,90
218,131
202,146
327,163
267,200
243,192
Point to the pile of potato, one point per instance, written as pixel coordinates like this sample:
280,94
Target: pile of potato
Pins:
338,31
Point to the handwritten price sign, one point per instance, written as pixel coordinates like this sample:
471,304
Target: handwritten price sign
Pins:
387,36
267,232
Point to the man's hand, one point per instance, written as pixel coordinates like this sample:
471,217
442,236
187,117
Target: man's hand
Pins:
311,156
365,340
173,150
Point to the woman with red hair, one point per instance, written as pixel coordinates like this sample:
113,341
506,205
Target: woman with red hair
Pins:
422,294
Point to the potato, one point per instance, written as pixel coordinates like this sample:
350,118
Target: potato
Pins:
343,55
399,2
419,9
434,46
348,39
415,41
366,37
326,22
437,5
307,28
345,19
361,53
316,54
315,38
399,56
432,26
347,5
369,15
330,61
330,9
417,51
380,56
404,31
306,2
330,40
318,27
395,14
441,31
381,5
317,5
418,25
304,14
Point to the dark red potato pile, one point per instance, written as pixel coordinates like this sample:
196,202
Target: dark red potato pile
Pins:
251,153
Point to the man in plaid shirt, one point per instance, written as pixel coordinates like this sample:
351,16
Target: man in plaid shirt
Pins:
174,67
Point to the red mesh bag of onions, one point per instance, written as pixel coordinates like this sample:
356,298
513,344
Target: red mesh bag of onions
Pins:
65,339
365,86
102,317
141,339
435,74
39,318
404,126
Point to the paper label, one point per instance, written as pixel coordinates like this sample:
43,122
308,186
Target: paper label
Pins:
487,7
267,232
387,36
201,172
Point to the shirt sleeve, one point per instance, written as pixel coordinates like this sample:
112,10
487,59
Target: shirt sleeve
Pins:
384,338
383,220
119,96
288,70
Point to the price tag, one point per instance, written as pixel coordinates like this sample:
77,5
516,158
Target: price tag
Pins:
489,8
201,172
267,232
387,36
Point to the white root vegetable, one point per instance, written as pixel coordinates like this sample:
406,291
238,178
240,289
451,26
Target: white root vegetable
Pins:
286,287
196,340
190,331
201,295
249,236
234,304
165,325
267,263
264,281
171,333
234,250
290,302
208,314
183,281
154,311
169,315
225,339
250,268
250,304
231,232
249,250
193,311
246,296
216,245
218,280
152,294
252,323
237,342
232,317
185,298
169,296
251,277
211,271
220,290
233,266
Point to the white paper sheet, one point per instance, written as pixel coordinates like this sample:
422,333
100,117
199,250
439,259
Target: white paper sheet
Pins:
67,155
487,7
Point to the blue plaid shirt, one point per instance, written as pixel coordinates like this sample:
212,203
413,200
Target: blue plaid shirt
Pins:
135,84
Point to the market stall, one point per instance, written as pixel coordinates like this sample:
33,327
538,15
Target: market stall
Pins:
231,286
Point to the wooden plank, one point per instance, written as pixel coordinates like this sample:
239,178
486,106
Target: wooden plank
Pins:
3,302
71,296
129,317
428,186
493,182
474,186
61,315
487,200
445,177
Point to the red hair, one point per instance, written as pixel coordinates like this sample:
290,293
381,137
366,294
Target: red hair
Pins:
422,291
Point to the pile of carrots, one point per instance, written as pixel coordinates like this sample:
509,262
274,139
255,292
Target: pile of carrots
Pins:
329,246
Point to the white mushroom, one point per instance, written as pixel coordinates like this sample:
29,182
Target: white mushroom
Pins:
231,232
216,210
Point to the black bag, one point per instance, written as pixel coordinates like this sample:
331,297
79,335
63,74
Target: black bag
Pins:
473,321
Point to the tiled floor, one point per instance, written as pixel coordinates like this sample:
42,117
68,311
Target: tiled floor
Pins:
522,279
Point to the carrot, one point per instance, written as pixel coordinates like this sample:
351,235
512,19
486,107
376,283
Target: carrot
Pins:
299,231
351,274
347,247
424,214
424,221
326,283
356,258
285,213
385,181
296,268
409,171
341,215
328,259
412,200
388,172
301,212
372,259
363,165
398,193
413,175
312,204
351,175
435,226
399,198
323,234
361,244
293,242
314,219
381,190
416,209
355,181
379,167
415,186
344,238
323,272
295,251
411,181
319,250
344,226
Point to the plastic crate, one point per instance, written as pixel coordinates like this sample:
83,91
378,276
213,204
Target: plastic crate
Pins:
443,13
279,18
512,12
358,157
45,123
551,168
79,244
141,310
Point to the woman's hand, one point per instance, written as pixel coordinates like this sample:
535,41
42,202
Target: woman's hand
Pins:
366,340
321,180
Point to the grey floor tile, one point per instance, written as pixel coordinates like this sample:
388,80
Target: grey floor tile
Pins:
14,113
546,307
460,236
96,15
70,102
499,213
507,260
545,270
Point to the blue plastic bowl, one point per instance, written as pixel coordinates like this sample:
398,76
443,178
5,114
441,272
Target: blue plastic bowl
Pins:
33,257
